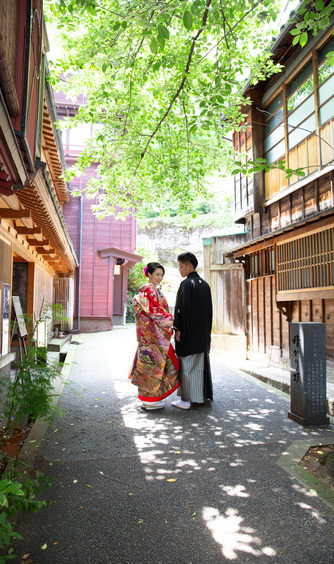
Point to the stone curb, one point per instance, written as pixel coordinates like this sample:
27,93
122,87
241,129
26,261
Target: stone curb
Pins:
289,461
28,451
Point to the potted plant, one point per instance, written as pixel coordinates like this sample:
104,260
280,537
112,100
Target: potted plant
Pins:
28,393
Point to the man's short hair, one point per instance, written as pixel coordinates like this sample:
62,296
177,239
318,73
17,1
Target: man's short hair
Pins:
188,258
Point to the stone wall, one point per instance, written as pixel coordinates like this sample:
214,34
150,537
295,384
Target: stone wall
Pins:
169,240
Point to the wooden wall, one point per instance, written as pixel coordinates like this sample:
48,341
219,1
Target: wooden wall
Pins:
268,327
228,288
43,289
319,311
101,292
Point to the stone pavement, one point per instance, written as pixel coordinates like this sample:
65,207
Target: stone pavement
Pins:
209,485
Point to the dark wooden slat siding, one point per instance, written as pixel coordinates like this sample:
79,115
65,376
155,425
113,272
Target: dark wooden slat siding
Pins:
261,314
329,318
317,311
228,286
255,313
276,318
305,311
285,330
268,314
238,325
249,316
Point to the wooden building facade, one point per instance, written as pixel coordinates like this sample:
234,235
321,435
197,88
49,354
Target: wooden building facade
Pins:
105,248
35,248
287,254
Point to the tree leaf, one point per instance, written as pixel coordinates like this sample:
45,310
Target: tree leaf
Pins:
303,39
161,42
319,5
163,31
187,19
153,45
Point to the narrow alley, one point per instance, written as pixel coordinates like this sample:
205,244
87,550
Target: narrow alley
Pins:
198,486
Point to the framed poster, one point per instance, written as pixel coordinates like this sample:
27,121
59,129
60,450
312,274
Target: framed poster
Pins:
5,319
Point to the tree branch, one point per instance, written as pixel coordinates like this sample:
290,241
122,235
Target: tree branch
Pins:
231,29
181,86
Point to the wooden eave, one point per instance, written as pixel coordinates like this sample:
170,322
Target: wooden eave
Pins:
44,213
129,258
52,156
14,234
313,223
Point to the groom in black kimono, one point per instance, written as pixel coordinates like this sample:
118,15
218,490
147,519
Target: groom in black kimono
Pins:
192,324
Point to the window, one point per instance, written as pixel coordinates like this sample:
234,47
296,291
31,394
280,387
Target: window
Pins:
262,263
243,185
326,82
274,147
300,106
306,262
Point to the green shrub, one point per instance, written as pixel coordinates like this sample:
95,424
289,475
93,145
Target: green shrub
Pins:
17,496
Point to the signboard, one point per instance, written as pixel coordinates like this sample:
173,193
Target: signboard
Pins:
19,316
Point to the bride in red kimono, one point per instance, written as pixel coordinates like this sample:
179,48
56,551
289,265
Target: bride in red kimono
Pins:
155,366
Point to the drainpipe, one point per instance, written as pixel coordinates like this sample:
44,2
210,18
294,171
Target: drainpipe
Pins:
80,258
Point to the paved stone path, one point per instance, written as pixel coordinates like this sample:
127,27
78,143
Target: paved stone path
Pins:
172,486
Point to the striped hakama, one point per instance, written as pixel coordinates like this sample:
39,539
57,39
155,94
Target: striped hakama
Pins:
195,374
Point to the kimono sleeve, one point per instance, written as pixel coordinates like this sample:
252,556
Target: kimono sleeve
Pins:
155,308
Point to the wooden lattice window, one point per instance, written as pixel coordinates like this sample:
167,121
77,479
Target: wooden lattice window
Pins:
306,262
261,263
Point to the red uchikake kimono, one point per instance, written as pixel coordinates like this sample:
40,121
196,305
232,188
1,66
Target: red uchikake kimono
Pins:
155,366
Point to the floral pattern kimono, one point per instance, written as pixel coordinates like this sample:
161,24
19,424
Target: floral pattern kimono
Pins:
155,366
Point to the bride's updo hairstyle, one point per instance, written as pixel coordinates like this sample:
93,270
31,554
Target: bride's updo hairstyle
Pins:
151,267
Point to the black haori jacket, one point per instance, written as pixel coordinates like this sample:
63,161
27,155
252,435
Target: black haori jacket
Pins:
193,316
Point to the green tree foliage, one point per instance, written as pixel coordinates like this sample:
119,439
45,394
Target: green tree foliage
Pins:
160,77
312,17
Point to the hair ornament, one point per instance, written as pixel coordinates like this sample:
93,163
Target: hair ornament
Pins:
145,270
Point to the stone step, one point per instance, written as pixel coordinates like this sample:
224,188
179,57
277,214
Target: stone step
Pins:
56,344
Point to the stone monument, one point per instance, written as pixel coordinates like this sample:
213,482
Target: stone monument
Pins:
308,374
